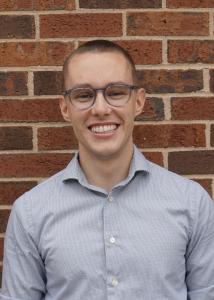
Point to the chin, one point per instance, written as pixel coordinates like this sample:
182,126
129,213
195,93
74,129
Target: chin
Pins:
107,152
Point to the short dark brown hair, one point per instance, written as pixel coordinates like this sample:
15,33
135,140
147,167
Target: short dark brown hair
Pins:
100,46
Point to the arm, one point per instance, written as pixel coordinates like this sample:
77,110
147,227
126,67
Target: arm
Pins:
200,250
23,269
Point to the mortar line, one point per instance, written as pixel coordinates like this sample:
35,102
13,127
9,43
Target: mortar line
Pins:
30,83
208,135
73,151
164,51
124,24
206,80
37,27
167,108
198,176
113,38
94,10
41,124
35,139
165,159
15,179
5,207
177,67
77,6
211,26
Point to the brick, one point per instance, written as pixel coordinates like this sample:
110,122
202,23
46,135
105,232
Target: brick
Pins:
11,5
4,215
153,110
191,51
56,138
171,81
144,52
192,108
11,190
48,82
189,3
30,110
19,27
168,23
32,165
206,184
16,138
174,135
13,83
77,25
121,4
25,54
192,162
212,81
155,157
1,248
212,135
145,136
54,5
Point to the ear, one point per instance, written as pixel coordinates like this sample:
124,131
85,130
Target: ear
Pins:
64,107
140,101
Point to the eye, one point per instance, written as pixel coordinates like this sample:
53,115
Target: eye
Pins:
117,92
82,95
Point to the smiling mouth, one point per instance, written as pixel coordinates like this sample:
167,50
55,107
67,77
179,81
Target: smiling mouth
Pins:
103,129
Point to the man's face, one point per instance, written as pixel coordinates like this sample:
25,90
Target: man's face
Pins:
103,131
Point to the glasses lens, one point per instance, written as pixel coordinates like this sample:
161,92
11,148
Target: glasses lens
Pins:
82,98
117,95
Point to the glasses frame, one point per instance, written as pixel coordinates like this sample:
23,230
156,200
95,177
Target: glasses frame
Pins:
103,90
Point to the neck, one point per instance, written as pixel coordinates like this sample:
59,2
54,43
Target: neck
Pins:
106,172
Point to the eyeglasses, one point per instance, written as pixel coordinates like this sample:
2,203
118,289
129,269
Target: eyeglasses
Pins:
115,95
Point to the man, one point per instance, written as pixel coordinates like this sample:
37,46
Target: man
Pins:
111,225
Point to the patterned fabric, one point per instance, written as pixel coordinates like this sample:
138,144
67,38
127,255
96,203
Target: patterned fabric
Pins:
151,238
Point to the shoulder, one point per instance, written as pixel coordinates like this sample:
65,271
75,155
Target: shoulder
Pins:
165,176
43,189
41,203
44,198
170,183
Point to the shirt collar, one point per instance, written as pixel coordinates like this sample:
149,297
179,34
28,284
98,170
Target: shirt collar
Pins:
138,164
73,170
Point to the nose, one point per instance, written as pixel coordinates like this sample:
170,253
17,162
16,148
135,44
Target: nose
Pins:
100,106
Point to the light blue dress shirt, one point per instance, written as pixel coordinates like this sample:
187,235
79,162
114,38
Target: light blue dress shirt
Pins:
151,238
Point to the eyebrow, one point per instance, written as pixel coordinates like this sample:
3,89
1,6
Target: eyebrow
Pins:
83,85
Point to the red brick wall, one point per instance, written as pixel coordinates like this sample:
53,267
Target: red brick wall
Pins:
172,42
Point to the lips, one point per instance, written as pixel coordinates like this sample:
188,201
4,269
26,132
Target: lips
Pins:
103,129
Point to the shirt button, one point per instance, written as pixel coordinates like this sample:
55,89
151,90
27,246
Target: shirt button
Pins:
114,282
112,240
110,198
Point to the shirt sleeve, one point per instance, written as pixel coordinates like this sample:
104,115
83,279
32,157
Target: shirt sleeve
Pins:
200,250
23,275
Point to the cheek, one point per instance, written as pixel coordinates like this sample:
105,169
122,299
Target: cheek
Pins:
77,127
78,122
130,115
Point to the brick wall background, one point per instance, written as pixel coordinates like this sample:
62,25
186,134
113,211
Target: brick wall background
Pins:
172,42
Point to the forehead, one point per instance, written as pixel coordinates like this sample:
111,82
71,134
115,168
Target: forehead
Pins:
98,69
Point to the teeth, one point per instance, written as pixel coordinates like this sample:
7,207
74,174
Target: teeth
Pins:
104,128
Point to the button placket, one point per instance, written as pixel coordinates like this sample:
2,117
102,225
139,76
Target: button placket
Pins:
114,282
110,198
112,240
